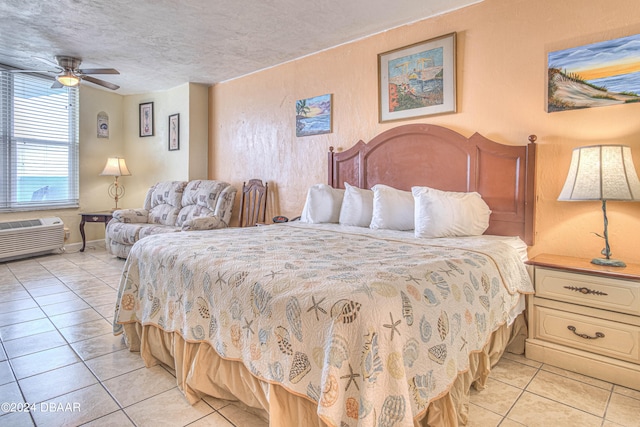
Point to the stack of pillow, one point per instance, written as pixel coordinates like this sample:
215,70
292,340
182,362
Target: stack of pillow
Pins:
431,213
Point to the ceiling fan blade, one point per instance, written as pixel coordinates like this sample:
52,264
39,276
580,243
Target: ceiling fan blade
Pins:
31,71
47,61
101,82
98,71
56,85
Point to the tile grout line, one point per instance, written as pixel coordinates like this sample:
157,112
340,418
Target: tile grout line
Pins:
566,404
522,391
69,344
81,359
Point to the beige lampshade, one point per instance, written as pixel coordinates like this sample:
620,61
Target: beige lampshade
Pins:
601,172
115,166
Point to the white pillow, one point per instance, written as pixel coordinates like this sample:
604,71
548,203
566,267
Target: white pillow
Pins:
449,214
322,205
392,209
357,206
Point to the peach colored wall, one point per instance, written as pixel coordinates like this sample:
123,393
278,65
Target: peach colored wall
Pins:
501,60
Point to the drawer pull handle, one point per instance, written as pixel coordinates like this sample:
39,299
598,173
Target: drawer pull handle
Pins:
585,336
585,291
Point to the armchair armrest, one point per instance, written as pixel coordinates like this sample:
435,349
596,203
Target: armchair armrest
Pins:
134,216
204,223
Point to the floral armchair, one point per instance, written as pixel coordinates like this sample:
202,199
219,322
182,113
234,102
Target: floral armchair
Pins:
170,207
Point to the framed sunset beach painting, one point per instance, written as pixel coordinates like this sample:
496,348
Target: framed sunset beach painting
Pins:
594,75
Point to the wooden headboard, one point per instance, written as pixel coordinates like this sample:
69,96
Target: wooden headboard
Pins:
434,156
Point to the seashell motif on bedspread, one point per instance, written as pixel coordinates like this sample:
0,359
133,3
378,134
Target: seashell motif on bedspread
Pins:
407,309
372,328
393,410
371,361
345,311
293,312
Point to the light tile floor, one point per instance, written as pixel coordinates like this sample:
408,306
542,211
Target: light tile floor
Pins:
58,351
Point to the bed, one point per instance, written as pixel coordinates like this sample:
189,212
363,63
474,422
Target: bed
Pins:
329,324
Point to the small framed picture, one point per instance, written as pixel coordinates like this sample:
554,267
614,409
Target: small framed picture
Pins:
174,132
313,115
146,119
103,125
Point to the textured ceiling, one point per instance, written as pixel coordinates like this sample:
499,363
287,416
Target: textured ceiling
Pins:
160,44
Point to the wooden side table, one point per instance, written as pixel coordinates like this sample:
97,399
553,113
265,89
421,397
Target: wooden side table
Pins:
586,318
103,217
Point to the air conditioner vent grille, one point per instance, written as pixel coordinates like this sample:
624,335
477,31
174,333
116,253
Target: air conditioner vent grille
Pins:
30,237
20,224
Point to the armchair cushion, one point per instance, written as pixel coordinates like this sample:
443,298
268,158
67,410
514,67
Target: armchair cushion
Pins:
200,199
204,223
132,216
124,233
164,201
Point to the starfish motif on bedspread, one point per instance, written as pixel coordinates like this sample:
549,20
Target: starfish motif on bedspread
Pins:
410,278
220,280
393,325
273,274
247,326
197,254
316,307
447,272
352,378
464,343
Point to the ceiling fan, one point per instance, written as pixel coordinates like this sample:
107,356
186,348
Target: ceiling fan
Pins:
69,74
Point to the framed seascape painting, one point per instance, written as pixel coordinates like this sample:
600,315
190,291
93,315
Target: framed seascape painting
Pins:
594,75
313,115
418,80
146,119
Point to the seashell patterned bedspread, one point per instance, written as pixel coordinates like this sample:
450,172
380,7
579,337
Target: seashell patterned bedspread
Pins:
370,325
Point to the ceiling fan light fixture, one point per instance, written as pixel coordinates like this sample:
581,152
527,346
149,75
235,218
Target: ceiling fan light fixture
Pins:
68,78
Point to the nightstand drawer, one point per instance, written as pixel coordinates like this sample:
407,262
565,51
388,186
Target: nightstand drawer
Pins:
614,339
593,291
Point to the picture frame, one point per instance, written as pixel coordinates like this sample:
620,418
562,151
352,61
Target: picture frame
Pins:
146,119
594,75
418,80
103,125
174,132
313,115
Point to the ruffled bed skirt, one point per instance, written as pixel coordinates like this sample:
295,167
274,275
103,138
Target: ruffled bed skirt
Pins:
201,371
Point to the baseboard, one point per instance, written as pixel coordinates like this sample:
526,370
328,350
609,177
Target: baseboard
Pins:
90,245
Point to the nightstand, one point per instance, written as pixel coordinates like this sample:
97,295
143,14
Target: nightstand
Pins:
585,318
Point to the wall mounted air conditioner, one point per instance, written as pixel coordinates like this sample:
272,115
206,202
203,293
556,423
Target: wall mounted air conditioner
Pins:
22,238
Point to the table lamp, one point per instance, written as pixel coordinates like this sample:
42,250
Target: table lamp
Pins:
117,167
602,172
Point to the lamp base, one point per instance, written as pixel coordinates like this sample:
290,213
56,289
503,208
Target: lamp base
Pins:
608,262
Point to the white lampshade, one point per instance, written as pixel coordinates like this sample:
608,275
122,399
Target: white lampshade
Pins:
115,166
68,78
601,172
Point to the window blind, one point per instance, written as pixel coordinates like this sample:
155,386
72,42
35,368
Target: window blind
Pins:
39,135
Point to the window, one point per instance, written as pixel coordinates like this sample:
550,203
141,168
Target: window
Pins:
39,143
